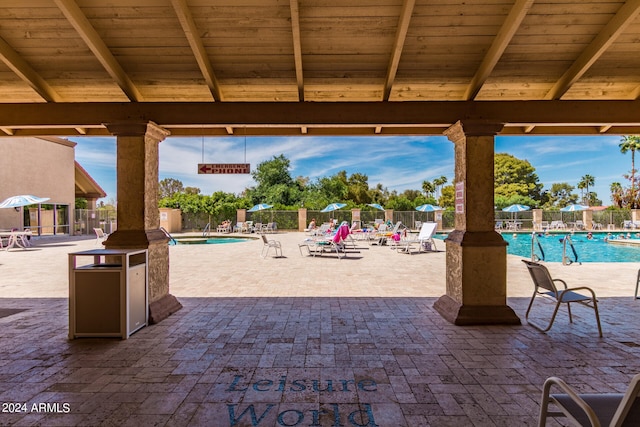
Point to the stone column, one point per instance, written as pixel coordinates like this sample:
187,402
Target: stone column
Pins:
241,215
302,219
438,218
587,219
537,219
138,213
355,216
476,257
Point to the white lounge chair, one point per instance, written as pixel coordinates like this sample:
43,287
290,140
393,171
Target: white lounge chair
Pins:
101,236
424,240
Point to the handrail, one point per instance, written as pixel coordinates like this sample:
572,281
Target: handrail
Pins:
534,256
166,233
565,259
207,230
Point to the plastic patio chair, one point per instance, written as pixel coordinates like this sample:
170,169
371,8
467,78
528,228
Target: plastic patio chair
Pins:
545,286
101,236
607,409
268,244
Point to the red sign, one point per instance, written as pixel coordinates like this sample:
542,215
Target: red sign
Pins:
224,168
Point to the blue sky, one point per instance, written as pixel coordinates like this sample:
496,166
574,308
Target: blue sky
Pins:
398,163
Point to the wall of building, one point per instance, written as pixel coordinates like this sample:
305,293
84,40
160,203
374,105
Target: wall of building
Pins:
43,167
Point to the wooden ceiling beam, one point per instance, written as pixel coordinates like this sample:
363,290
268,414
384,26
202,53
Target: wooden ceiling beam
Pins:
297,46
500,43
401,34
79,21
191,33
322,114
625,16
19,66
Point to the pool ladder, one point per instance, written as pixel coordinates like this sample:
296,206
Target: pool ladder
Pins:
536,242
207,230
565,259
166,233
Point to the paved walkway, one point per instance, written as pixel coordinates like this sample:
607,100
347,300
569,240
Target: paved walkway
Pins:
301,341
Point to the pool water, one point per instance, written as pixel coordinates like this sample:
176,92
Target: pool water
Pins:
207,240
594,250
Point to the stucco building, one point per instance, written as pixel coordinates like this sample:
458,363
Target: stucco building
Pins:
43,167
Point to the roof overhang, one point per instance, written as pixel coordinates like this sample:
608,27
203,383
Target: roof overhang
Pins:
324,118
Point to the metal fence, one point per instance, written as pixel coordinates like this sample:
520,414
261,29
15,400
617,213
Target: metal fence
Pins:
86,220
288,220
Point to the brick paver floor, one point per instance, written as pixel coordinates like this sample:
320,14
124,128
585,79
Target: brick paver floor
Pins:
302,341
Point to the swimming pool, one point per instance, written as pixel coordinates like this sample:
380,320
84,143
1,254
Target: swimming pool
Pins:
594,250
207,240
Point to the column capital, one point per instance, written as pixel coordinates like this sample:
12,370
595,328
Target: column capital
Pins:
460,129
148,129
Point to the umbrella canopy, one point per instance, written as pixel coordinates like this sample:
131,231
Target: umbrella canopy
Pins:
516,208
376,205
574,208
428,208
333,207
22,200
259,207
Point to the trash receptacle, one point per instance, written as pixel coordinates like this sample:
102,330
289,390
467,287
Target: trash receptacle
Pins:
107,292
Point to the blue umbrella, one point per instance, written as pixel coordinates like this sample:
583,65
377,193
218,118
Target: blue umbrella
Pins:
516,208
376,205
260,207
574,208
333,207
428,208
23,200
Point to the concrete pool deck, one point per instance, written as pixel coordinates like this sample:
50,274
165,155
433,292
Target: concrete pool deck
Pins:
299,340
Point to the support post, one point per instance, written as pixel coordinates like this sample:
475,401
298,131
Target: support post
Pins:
476,260
138,213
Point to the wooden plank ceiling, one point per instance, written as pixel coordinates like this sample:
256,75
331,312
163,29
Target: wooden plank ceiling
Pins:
456,55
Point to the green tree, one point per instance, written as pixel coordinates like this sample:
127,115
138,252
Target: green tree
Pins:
358,188
513,176
561,195
169,187
447,197
274,183
81,203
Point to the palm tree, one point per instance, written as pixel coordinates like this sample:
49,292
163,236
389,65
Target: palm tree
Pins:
631,143
439,183
428,188
617,194
581,185
587,180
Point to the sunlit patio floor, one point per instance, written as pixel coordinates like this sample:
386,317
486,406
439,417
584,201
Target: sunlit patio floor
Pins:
302,341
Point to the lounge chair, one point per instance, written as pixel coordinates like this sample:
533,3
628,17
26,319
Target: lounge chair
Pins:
268,244
545,286
270,228
609,409
101,236
335,242
238,227
424,240
224,227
